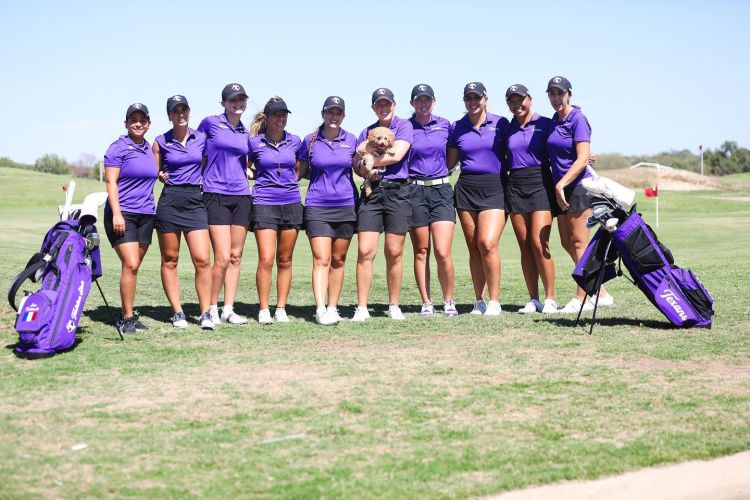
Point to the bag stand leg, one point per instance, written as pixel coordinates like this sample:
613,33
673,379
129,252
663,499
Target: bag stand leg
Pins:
109,311
597,288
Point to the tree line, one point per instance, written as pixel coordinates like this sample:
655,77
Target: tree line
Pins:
729,158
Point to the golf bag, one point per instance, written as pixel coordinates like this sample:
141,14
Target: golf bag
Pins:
66,264
676,293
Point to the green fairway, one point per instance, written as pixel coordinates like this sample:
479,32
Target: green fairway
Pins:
428,407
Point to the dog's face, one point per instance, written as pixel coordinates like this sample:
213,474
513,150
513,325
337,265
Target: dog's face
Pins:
381,138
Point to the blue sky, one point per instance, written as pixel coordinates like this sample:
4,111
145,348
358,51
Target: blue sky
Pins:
650,76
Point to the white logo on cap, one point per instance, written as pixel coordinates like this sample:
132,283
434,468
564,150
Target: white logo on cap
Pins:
176,98
235,87
557,79
381,91
336,100
513,88
136,106
422,87
472,85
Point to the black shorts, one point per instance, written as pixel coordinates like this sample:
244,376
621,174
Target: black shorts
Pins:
530,189
331,222
477,192
388,208
228,209
577,199
138,228
277,217
431,204
181,209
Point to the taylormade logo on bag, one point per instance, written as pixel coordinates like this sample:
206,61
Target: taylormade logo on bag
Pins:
672,300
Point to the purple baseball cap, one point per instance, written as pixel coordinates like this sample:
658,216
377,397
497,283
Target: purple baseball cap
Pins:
559,82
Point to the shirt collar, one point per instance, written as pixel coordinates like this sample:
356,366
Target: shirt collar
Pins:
223,119
130,142
416,124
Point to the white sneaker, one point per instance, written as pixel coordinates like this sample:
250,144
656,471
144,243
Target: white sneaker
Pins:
604,300
232,317
449,308
361,314
280,315
531,306
333,312
493,309
179,320
394,312
206,321
264,317
427,309
574,306
322,317
479,307
550,306
214,312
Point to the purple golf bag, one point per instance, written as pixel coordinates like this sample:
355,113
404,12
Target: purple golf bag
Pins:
66,265
676,292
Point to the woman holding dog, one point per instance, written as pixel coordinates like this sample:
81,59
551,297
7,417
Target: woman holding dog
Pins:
386,209
277,204
569,148
179,158
226,194
433,213
477,141
530,196
130,212
330,215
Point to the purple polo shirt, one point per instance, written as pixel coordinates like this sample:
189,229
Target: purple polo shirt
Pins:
135,185
403,131
226,156
427,153
275,170
182,163
481,149
331,181
527,146
561,144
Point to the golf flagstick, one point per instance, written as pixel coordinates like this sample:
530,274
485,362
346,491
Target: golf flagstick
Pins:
69,190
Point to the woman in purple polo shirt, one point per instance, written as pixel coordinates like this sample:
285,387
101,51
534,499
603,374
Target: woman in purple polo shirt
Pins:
179,157
431,199
277,204
226,194
330,214
130,174
531,196
569,148
477,141
387,209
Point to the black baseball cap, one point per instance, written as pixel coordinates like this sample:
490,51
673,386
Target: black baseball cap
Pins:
137,106
382,93
516,89
175,100
422,89
274,106
334,101
475,88
232,90
559,82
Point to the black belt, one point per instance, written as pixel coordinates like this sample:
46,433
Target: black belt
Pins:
395,182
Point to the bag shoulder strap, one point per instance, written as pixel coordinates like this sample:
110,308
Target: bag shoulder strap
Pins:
27,273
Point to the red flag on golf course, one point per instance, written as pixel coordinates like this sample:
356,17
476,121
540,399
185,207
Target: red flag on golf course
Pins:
651,192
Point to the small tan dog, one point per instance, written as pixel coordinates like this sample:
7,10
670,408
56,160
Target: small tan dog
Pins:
380,141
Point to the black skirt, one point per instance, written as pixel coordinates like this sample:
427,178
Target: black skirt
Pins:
477,192
530,189
181,209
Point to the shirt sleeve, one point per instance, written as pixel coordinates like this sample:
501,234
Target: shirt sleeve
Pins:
362,137
113,158
452,139
405,131
581,129
205,125
304,149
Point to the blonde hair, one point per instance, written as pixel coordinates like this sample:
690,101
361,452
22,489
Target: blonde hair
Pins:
258,125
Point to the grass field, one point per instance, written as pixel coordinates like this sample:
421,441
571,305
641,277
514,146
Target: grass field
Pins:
433,407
